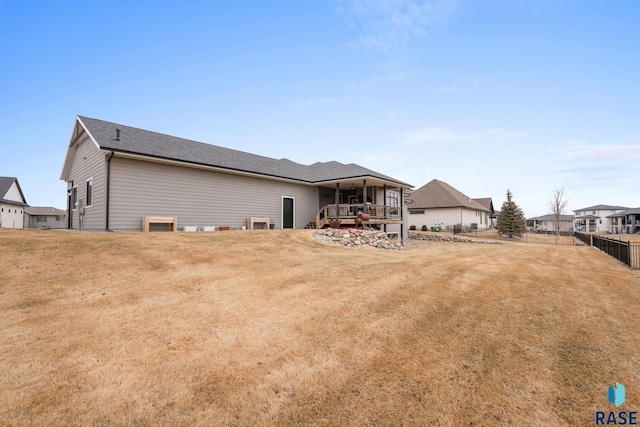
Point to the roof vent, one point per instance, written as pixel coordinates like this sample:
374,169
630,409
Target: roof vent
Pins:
117,134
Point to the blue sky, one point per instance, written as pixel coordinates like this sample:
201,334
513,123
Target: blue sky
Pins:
483,94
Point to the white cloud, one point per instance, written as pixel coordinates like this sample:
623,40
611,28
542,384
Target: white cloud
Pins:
450,89
602,152
390,25
377,80
306,103
438,134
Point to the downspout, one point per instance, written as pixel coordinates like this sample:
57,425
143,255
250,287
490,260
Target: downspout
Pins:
108,188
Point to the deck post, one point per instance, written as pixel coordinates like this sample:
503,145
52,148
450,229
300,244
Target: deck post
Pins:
401,216
364,196
337,200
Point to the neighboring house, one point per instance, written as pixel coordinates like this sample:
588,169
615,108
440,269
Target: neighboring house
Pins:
439,204
44,217
547,223
627,221
595,218
118,174
12,203
487,202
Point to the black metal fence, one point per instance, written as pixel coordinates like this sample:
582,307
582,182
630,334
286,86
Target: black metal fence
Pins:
584,238
626,252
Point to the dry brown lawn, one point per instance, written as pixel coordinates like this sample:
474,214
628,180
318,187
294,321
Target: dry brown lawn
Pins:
273,328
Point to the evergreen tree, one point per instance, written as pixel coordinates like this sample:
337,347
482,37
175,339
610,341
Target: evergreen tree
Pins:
511,220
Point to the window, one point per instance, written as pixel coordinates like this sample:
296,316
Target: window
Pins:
58,218
89,192
41,219
416,212
74,198
393,200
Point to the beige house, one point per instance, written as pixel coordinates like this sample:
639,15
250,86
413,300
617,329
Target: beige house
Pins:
12,203
437,204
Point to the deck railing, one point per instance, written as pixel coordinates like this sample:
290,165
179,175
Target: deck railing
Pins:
350,212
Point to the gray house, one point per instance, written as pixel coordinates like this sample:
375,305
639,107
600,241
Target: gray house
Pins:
44,217
116,175
627,221
547,223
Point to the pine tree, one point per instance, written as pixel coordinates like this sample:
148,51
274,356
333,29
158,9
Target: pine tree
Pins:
511,220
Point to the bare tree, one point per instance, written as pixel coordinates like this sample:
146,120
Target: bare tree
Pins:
557,205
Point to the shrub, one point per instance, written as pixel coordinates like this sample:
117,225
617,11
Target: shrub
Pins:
413,227
424,228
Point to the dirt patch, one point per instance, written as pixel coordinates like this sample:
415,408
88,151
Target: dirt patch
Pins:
273,328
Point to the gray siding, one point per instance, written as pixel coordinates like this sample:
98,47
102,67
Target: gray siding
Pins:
51,222
200,197
89,162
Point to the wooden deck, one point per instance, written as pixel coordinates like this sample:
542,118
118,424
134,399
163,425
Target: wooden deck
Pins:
347,214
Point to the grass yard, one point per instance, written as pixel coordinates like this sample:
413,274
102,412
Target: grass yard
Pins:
273,328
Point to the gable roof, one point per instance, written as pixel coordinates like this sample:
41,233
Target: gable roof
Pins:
601,207
44,211
155,145
5,185
439,194
551,217
487,202
634,211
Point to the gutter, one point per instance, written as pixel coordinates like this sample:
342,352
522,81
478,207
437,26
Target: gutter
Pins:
108,188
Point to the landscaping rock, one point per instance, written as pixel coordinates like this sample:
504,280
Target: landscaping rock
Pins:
446,238
353,238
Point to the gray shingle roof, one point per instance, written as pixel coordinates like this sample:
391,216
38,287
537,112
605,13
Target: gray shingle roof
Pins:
157,145
439,194
551,217
5,184
601,207
44,210
487,202
634,211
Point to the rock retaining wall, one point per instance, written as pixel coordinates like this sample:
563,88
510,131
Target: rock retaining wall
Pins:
352,238
449,238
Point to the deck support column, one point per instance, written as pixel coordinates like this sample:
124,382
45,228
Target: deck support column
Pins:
384,203
364,196
337,200
402,216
